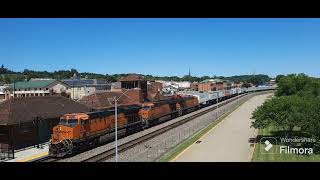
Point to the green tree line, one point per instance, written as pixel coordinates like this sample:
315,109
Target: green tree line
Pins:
295,107
8,76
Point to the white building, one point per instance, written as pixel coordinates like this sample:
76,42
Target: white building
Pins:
184,84
2,93
80,88
178,85
35,87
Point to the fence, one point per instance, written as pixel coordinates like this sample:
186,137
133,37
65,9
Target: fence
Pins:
155,148
6,152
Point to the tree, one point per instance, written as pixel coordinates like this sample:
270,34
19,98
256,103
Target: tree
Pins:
3,70
246,85
204,78
297,84
256,80
285,113
311,89
279,77
73,71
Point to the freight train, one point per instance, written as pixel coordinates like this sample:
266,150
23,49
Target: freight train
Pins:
80,131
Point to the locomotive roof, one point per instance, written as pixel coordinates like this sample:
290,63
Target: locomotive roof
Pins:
172,100
110,111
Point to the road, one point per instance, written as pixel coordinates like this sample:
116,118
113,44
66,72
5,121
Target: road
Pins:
228,141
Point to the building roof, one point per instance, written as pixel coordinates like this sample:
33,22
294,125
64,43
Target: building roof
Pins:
156,96
17,110
133,77
33,84
3,87
212,80
84,82
100,100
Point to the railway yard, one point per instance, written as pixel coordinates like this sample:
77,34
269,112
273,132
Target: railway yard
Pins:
148,127
155,142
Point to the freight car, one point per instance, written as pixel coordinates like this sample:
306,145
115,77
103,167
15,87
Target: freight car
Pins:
206,98
202,97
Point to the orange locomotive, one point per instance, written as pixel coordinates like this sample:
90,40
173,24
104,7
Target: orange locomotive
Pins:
79,131
157,112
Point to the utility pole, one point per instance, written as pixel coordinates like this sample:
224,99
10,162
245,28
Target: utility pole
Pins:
14,88
116,126
217,104
73,89
115,99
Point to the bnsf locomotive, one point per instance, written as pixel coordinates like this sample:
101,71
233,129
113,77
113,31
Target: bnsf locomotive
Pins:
80,131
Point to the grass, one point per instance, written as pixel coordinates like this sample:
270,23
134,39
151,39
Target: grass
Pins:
186,143
277,157
270,96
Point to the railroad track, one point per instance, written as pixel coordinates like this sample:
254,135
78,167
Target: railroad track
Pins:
121,148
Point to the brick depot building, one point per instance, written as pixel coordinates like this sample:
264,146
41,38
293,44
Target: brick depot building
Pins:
29,121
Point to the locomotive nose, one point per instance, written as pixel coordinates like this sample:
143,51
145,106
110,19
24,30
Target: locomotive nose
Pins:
144,114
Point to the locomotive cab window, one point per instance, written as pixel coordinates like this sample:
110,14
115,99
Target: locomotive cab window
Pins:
84,122
72,122
146,107
63,122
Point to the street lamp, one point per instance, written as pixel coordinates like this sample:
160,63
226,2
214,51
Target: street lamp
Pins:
217,104
115,100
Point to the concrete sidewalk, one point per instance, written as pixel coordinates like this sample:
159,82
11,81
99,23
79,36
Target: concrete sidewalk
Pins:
228,141
29,154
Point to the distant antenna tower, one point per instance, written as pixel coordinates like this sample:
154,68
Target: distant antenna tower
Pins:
189,73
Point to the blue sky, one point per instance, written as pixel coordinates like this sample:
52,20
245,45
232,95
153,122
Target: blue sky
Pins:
163,46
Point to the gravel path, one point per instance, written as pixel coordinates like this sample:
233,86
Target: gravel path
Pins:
229,140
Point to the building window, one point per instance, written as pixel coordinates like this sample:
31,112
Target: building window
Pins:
36,89
47,88
25,127
39,88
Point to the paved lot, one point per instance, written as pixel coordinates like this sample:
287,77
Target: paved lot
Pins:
229,140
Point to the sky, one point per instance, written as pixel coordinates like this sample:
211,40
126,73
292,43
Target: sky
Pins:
163,47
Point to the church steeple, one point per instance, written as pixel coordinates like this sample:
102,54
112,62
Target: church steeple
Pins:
189,73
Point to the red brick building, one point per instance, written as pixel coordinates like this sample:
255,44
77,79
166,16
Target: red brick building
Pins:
135,81
210,86
155,86
194,86
29,121
102,100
